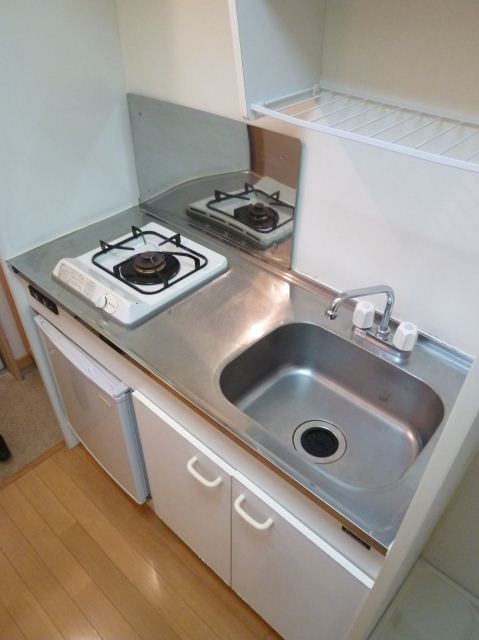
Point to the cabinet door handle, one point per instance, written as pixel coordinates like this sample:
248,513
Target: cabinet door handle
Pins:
241,512
206,483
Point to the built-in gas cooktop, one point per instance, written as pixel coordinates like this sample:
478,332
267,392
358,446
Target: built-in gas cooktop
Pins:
261,213
133,277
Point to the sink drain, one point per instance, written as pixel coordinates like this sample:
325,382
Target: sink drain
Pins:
320,441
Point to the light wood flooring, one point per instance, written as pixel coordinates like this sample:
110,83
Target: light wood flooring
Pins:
79,560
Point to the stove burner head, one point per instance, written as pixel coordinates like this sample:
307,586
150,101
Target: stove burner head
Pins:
259,213
149,263
148,268
258,216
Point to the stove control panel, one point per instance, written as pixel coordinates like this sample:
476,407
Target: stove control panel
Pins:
95,292
76,280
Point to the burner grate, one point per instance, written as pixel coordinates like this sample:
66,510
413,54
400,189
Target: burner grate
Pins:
243,213
124,271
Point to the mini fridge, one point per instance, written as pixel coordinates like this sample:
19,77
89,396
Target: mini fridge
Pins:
99,409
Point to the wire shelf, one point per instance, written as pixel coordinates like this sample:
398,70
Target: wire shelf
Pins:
405,130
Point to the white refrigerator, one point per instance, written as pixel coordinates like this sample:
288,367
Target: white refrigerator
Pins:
99,409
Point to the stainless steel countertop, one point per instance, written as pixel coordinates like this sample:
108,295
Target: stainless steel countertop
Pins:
187,345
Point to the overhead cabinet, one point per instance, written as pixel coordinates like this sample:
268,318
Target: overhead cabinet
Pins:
399,76
287,573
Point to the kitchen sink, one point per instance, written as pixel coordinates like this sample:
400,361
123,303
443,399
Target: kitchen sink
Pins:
361,419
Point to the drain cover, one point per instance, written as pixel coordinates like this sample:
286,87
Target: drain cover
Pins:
320,441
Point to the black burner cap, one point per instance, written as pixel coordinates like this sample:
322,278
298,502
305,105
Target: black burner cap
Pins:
257,216
148,268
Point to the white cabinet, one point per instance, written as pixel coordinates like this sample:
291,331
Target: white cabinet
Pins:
191,493
286,577
365,71
298,582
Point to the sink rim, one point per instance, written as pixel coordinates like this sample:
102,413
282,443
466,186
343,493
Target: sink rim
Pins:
459,359
447,399
401,369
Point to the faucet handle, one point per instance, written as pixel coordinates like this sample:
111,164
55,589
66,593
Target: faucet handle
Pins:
363,316
405,336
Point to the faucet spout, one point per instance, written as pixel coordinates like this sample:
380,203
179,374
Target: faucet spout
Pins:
383,330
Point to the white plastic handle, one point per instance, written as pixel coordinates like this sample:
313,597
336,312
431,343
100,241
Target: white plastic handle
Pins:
206,483
257,525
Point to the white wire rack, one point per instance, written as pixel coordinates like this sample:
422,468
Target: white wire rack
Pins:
441,139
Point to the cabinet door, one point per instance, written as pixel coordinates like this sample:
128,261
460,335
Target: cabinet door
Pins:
298,588
191,492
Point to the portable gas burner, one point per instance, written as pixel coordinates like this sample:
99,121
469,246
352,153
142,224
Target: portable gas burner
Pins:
137,275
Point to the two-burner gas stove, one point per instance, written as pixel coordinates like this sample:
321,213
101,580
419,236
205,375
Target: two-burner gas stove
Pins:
135,276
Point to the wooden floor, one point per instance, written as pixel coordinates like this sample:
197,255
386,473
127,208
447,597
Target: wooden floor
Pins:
79,560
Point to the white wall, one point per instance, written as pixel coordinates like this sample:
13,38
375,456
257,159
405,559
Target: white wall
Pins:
422,53
65,152
181,51
10,328
387,217
453,547
369,216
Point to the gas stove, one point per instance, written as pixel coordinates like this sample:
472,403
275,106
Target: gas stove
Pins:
262,213
136,275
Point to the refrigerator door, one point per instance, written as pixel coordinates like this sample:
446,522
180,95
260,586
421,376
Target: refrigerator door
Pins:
99,409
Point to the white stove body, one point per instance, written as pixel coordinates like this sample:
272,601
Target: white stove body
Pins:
223,216
120,301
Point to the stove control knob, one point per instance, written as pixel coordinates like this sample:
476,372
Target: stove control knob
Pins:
101,301
112,304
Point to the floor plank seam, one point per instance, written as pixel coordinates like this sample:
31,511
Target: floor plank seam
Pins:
53,533
27,592
45,568
147,519
152,565
98,534
124,541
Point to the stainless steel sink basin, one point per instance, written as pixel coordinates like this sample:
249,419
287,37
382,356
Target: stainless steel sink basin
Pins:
362,419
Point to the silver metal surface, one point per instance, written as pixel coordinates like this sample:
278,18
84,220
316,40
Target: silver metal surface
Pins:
301,372
168,206
188,345
323,425
183,155
382,346
174,144
382,331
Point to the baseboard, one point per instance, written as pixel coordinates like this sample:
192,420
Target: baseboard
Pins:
25,361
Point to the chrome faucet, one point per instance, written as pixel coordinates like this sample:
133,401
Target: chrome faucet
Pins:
382,331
